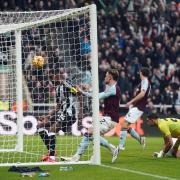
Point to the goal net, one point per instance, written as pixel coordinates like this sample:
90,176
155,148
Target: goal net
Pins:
66,40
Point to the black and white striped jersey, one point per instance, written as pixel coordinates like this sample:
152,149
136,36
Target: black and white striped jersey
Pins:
67,100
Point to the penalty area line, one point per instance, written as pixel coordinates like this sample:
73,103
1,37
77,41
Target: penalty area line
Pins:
138,172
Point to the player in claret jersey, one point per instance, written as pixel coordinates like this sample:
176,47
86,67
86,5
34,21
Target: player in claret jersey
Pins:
170,128
136,108
111,97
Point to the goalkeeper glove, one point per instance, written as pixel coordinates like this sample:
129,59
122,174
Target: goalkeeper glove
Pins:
158,154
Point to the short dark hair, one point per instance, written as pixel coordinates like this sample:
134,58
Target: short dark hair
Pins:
114,73
152,116
145,71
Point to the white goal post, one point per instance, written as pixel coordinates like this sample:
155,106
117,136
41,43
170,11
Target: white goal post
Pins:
67,41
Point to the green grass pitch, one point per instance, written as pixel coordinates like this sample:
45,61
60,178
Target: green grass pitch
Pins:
132,163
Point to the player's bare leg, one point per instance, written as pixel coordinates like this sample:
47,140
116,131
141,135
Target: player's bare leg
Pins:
42,123
123,135
54,127
47,130
84,145
176,152
124,130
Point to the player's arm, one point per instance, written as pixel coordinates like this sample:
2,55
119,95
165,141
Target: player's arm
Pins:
176,152
110,92
144,87
168,143
137,98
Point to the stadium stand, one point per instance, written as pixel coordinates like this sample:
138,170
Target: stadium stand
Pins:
131,34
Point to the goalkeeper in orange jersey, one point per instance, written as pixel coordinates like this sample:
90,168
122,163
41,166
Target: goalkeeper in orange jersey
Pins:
170,128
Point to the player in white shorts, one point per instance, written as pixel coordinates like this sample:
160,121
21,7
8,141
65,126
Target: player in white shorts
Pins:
111,97
136,108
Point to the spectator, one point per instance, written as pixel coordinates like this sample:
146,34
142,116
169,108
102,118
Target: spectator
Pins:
148,35
151,108
124,83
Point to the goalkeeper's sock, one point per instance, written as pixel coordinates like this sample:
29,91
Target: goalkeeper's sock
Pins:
123,138
52,144
104,142
83,145
44,136
134,134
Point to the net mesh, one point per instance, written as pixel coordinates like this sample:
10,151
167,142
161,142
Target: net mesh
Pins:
62,39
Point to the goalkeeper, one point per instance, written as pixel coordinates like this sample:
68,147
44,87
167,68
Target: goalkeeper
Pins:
170,128
111,97
61,117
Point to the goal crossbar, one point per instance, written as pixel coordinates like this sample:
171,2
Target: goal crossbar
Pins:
22,26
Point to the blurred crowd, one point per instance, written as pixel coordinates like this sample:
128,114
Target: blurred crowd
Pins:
131,34
143,33
146,34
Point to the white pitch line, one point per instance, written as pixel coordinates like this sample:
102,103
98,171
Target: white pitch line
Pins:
138,172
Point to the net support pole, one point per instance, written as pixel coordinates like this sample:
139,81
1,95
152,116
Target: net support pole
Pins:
19,89
95,85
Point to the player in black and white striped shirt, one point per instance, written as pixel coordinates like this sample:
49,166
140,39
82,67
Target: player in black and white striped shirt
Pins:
61,117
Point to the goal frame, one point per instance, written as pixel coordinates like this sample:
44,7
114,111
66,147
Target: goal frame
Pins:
17,28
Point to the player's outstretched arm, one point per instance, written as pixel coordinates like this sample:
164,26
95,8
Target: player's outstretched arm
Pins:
102,95
81,92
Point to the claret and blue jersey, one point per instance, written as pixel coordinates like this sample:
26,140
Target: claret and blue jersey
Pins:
111,97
